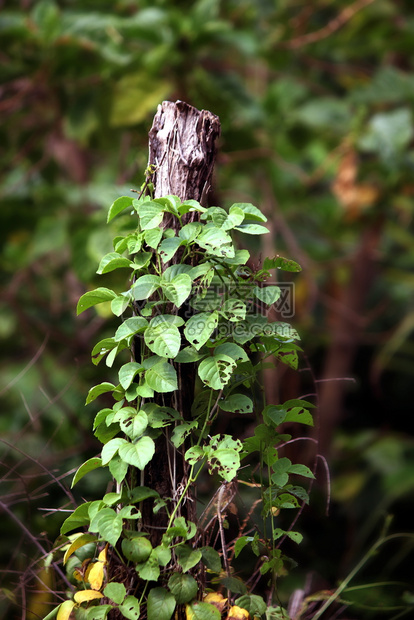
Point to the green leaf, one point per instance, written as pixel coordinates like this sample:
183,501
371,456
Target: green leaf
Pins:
150,569
188,355
137,549
237,403
130,327
301,470
150,215
199,610
118,468
163,555
119,205
160,605
178,289
224,220
111,448
152,237
97,390
78,518
145,286
252,229
108,524
183,587
268,294
93,298
163,339
254,604
234,310
120,303
251,212
240,544
216,371
187,557
274,415
278,262
190,231
130,608
169,202
295,536
133,423
101,349
86,467
199,328
127,372
162,377
182,431
138,454
115,591
299,414
216,242
113,261
99,612
168,248
211,559
232,350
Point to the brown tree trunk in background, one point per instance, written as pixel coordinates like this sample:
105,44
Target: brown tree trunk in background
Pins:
182,148
346,323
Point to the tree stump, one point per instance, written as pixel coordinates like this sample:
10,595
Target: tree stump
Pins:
182,149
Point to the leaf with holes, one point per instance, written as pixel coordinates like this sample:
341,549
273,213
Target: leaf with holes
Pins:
199,328
237,403
216,371
168,248
130,608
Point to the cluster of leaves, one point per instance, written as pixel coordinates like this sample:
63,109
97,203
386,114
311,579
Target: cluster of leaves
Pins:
221,331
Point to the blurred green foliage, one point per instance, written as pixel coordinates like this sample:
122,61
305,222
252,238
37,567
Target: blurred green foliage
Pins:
316,105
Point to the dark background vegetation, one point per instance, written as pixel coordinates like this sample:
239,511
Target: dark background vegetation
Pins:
316,105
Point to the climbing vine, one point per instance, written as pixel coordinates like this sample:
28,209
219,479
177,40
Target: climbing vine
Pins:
191,302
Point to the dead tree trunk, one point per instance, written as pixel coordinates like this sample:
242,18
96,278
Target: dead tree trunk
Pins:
182,153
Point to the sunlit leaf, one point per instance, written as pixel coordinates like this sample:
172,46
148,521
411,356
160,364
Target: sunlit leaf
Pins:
138,454
162,377
79,542
92,298
84,596
119,205
65,610
85,468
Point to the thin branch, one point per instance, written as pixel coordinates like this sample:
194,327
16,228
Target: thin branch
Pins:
335,24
